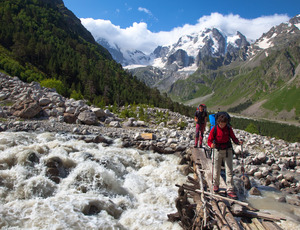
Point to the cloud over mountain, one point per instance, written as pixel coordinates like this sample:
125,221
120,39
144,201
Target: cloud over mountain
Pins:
139,37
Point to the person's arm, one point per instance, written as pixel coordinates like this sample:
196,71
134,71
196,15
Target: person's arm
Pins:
233,137
210,140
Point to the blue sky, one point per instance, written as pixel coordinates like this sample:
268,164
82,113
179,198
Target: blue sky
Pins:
151,22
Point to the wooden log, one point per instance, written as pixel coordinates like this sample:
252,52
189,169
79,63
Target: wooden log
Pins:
258,224
245,224
174,217
221,221
268,225
205,217
228,216
237,209
261,215
252,226
223,198
199,212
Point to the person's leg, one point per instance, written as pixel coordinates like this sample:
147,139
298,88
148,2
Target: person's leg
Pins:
217,167
229,169
229,174
202,128
197,135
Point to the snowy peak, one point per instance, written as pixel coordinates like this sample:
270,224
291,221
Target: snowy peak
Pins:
189,50
276,36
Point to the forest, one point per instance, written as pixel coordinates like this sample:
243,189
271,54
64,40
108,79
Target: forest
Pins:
44,42
285,132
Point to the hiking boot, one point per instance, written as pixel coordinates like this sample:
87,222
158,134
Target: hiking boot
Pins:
216,188
231,194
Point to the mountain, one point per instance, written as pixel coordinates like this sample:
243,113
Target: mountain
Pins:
41,40
126,58
207,49
266,84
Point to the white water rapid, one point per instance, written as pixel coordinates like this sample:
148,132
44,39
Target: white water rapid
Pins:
100,187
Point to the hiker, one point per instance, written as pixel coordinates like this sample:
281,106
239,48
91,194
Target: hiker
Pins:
219,139
200,119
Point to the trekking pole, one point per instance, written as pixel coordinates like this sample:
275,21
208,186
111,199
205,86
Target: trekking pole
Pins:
213,165
243,169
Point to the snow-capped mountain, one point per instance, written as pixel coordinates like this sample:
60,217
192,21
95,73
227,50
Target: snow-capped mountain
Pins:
190,50
276,37
186,53
127,58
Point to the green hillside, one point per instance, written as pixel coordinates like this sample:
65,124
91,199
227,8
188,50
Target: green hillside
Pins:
273,82
41,39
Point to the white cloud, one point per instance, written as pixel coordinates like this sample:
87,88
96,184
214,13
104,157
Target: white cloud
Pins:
145,10
139,37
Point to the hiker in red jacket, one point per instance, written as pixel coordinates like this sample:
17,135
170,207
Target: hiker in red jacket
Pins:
219,139
200,119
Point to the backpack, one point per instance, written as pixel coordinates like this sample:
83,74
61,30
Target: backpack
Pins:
212,120
204,107
223,113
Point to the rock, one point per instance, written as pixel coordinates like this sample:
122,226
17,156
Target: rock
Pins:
99,112
293,201
70,118
262,157
44,101
115,124
254,191
275,167
27,108
258,175
281,199
289,177
88,117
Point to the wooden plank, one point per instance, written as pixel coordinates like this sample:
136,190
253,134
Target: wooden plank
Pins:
270,225
228,216
245,225
262,215
221,221
147,136
252,226
223,198
258,224
199,157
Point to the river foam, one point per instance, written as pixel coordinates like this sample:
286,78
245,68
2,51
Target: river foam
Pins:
100,187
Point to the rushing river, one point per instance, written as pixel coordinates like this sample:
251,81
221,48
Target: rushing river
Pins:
101,187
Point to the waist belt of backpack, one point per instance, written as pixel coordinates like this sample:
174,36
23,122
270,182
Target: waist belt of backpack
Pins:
228,145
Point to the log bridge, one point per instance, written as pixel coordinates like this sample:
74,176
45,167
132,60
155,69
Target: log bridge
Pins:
199,208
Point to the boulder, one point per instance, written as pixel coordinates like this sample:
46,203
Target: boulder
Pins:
254,191
88,117
27,108
70,118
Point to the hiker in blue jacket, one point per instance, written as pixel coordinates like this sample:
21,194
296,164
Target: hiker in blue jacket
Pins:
201,120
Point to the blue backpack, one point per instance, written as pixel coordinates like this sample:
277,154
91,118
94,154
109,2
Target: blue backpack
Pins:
212,120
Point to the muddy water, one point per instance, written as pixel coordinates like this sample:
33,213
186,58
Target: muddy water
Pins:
267,202
102,187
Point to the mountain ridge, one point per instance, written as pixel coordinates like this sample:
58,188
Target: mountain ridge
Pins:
262,70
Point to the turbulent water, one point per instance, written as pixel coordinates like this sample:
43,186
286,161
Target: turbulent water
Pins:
101,187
